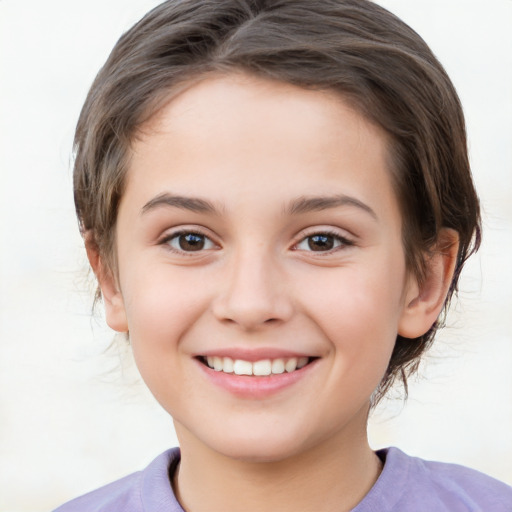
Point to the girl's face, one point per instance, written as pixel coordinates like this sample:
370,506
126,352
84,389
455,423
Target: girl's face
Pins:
259,232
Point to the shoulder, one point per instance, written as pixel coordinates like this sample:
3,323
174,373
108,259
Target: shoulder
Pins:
460,486
117,496
409,483
149,489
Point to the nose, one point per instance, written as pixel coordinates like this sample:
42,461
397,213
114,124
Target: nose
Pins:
253,294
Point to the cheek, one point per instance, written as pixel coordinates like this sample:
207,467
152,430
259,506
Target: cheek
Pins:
159,310
358,310
159,314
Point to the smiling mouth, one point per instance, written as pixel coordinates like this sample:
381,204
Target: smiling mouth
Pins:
263,367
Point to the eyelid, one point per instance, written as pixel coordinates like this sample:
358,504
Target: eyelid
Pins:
171,234
345,240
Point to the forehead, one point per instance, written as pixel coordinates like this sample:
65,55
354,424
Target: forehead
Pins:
233,135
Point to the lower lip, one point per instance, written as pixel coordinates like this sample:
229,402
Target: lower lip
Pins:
246,386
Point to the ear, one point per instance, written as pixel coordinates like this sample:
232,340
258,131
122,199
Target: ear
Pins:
424,302
110,292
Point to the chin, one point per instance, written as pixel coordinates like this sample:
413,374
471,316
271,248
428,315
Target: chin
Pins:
263,447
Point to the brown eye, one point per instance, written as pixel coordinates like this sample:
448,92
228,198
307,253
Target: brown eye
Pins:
321,242
190,242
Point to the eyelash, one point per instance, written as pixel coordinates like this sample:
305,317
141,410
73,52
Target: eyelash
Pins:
342,242
167,240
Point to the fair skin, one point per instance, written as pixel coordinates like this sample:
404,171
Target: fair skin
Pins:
259,225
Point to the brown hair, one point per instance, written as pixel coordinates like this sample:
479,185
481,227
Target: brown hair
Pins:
355,47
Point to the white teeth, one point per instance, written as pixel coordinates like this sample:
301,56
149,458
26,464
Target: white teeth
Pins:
262,367
278,366
242,367
259,368
218,364
228,365
291,365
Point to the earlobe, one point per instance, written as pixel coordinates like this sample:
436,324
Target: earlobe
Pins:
424,301
112,297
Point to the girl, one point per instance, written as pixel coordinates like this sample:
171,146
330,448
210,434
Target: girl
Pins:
276,200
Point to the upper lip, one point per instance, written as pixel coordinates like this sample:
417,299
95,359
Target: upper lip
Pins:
254,354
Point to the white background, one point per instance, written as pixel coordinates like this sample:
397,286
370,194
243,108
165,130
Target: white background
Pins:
70,418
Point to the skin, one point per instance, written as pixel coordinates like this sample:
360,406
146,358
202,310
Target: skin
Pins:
252,149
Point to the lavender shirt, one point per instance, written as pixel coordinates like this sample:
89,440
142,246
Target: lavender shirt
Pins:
406,484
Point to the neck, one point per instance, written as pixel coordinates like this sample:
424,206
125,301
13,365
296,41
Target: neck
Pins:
335,475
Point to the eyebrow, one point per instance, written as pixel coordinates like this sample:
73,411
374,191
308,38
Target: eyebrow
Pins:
319,203
193,204
298,206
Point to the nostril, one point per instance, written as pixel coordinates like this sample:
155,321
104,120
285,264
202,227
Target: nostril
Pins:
250,297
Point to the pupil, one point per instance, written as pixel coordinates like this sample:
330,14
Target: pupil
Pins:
191,242
321,242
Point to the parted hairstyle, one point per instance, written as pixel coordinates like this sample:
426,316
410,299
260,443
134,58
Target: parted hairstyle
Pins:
376,63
